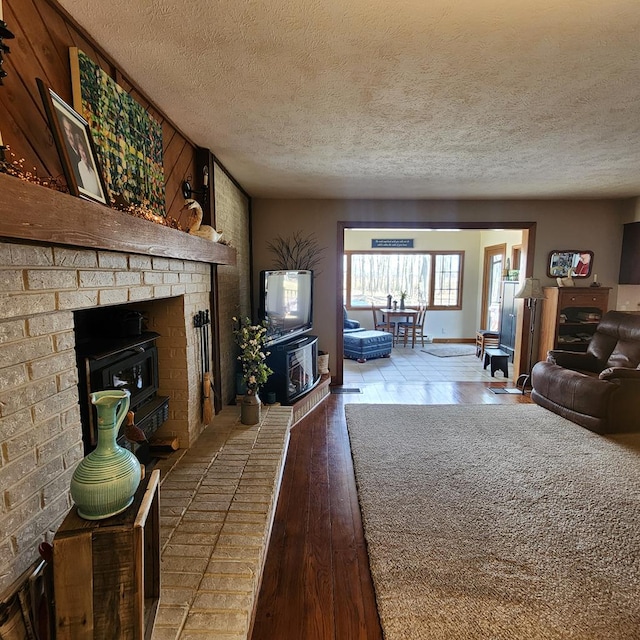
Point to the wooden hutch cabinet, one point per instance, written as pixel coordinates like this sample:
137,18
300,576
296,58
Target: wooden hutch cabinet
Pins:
569,317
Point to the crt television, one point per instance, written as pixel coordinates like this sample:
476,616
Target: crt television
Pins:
286,303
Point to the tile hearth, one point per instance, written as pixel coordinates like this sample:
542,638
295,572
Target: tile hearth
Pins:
217,501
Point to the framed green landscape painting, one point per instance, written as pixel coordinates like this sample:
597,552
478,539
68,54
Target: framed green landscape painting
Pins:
127,138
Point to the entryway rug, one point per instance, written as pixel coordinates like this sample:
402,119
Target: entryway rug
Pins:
501,522
450,350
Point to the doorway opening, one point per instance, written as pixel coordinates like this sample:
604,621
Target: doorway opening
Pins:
522,248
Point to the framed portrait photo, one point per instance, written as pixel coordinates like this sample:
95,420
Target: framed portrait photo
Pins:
570,262
73,140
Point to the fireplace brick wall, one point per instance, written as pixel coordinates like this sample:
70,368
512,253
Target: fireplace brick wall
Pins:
40,430
41,286
234,283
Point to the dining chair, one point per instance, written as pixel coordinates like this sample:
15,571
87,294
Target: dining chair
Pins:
379,323
415,328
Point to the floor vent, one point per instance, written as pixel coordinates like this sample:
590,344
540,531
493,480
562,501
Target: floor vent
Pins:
345,390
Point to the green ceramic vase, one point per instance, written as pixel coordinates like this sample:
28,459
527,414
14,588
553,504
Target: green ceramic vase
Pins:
106,480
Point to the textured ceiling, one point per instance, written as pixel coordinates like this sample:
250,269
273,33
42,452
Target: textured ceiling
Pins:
393,98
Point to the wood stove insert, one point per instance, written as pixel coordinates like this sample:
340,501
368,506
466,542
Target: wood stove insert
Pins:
112,352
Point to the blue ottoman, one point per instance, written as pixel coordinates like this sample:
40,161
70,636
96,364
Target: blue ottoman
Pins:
364,345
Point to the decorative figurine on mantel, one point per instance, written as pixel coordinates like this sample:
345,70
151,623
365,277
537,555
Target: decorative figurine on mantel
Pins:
194,222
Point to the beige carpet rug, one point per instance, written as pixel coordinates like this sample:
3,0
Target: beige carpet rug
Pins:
450,350
498,522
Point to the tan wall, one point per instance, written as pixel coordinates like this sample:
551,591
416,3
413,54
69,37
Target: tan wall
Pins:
589,224
40,431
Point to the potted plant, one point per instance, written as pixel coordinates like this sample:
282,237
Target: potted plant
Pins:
250,339
403,296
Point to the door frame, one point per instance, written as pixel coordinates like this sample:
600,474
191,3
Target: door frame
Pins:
528,243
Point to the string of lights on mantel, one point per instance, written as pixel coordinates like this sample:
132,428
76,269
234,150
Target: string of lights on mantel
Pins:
140,211
15,167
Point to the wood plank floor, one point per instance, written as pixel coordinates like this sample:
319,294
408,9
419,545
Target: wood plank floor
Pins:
316,583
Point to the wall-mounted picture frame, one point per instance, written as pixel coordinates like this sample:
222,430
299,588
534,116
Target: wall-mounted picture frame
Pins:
73,140
129,139
567,262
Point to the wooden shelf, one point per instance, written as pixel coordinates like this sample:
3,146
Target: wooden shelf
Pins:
34,213
569,301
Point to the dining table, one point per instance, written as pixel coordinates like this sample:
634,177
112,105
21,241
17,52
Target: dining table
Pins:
389,315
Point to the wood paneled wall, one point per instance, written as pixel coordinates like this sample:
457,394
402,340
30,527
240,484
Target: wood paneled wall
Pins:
44,33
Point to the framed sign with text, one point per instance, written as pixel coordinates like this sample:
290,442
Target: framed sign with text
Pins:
392,243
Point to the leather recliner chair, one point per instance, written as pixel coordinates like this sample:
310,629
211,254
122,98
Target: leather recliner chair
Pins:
599,389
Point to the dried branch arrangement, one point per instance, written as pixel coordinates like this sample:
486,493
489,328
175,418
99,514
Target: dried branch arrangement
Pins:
296,251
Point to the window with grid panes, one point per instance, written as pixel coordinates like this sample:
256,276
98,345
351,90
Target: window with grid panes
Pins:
433,278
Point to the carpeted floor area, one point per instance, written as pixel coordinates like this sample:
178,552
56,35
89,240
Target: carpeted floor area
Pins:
498,522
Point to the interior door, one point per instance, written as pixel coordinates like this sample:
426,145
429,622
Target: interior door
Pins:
494,259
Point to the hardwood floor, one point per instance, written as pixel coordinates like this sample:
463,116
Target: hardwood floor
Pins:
316,583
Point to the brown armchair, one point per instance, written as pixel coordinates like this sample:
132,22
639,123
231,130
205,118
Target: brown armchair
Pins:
599,389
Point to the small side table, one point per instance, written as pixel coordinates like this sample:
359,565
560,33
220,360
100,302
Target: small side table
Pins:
498,359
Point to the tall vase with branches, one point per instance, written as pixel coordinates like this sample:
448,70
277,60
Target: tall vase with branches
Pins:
250,339
296,251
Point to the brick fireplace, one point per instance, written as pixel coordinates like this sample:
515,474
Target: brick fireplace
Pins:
40,428
42,285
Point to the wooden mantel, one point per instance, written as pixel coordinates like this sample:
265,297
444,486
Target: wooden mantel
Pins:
34,213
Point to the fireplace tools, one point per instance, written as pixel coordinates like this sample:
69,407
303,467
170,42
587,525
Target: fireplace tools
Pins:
201,322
